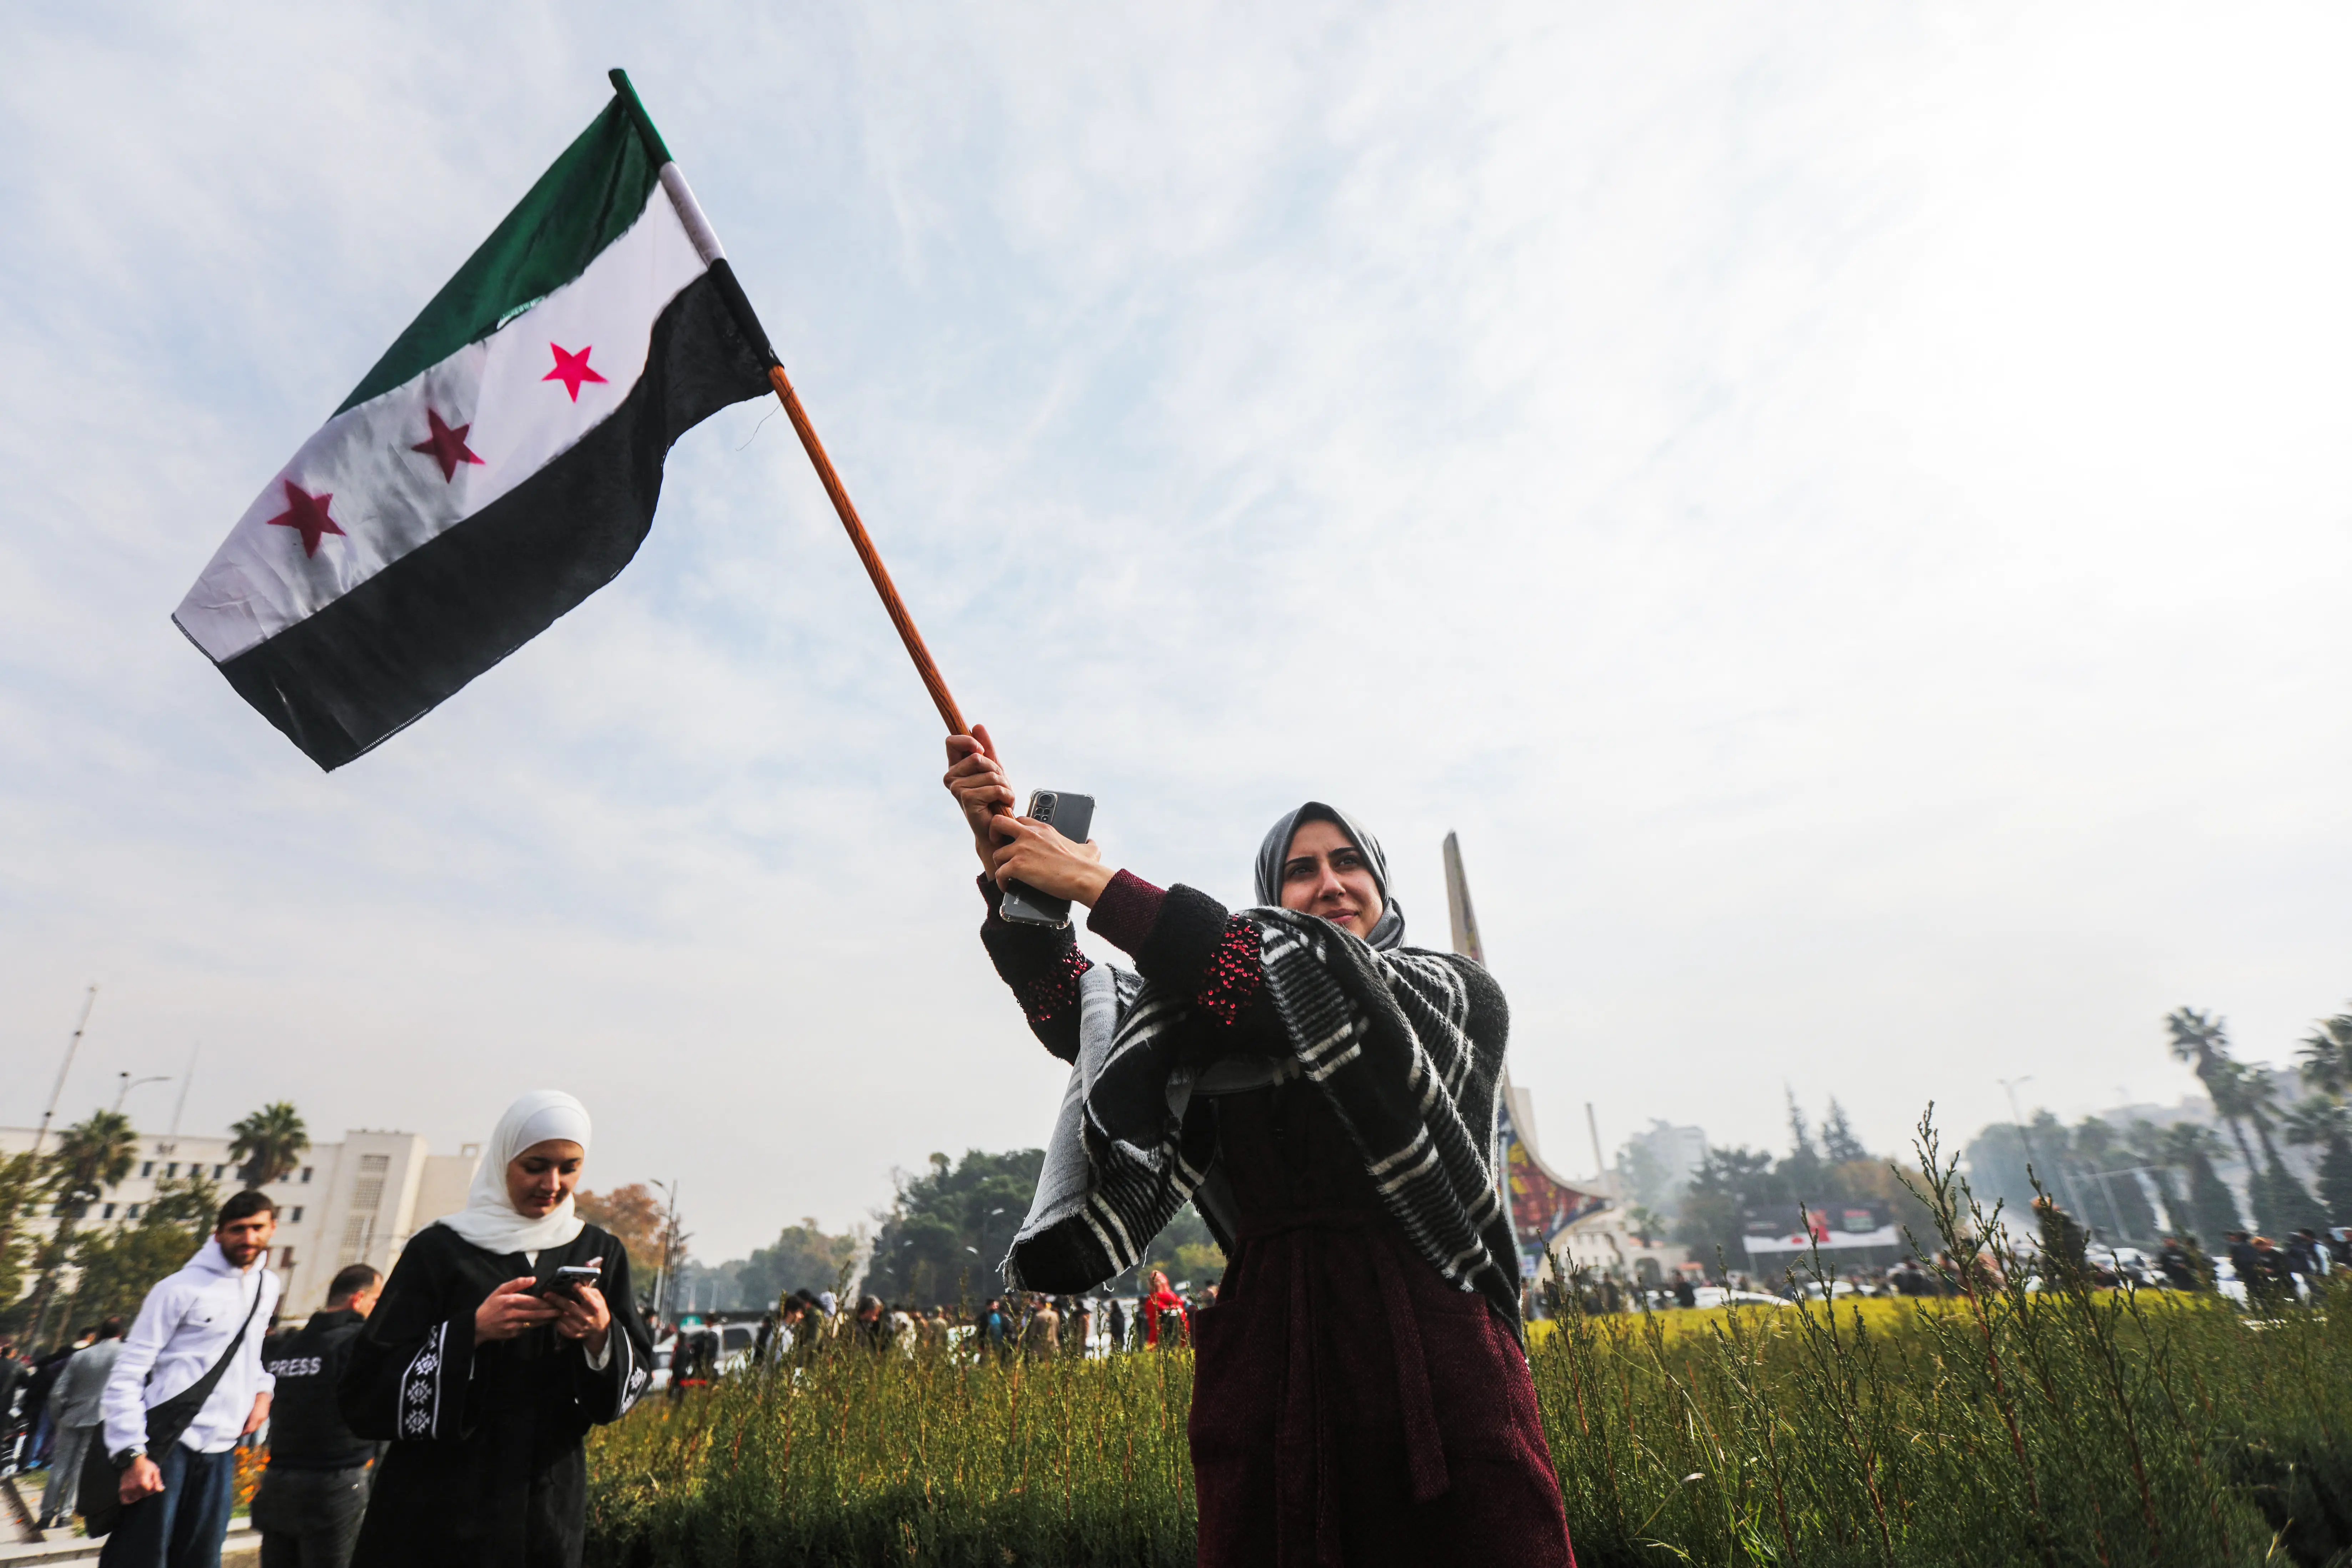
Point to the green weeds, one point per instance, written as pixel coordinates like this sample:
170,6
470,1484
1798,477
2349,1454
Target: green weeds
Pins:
2002,1425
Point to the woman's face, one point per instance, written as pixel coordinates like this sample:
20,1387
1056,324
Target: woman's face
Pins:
1325,875
543,1175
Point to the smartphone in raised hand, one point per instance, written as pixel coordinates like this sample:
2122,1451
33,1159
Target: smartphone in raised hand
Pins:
1072,816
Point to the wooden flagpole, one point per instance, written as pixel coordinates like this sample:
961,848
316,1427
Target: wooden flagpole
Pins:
707,243
933,681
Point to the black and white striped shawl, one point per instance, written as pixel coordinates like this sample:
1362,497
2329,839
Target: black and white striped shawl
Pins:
1407,1044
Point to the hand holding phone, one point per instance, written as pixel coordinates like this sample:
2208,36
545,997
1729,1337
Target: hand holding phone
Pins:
1069,815
582,1311
571,1276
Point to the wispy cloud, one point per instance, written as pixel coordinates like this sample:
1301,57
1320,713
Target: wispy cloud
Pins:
1842,509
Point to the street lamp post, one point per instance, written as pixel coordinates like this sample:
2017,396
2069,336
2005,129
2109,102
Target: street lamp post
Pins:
130,1083
668,1245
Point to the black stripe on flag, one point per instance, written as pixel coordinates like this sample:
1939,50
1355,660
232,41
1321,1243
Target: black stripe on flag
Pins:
386,654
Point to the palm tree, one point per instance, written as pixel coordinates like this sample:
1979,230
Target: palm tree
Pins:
2211,1211
91,1156
2326,1123
2328,1054
2281,1203
2110,1192
2203,1042
2146,1146
269,1143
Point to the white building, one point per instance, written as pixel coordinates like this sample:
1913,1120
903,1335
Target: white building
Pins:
358,1201
1657,1165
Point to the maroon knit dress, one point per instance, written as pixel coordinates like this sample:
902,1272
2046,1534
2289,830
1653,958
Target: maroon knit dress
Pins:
1349,1405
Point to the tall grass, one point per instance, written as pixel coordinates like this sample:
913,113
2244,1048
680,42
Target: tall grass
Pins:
860,1457
2005,1425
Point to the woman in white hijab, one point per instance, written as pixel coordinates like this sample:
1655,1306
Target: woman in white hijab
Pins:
485,1365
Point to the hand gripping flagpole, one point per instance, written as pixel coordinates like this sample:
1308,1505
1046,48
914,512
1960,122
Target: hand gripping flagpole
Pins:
707,241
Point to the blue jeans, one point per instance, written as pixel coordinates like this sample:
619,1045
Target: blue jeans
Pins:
181,1526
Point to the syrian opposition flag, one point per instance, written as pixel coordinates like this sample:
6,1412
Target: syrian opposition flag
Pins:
497,465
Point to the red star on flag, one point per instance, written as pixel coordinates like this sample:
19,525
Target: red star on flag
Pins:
571,369
446,446
307,514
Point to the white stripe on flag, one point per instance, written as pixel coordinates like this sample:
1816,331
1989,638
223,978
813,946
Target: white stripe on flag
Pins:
689,213
388,497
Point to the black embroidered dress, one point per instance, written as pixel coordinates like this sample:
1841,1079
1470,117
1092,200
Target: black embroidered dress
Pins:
486,1464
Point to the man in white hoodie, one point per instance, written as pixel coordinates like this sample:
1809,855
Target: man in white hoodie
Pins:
213,1313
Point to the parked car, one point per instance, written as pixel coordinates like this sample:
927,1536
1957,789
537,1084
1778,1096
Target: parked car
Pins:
1721,1295
1813,1290
732,1352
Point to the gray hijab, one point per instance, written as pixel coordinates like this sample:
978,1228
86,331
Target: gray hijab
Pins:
1389,931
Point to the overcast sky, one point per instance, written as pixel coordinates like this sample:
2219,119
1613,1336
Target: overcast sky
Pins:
1845,510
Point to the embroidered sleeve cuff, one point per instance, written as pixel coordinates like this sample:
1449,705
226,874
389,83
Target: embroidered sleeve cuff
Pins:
1178,950
602,1357
433,1385
1127,912
1042,964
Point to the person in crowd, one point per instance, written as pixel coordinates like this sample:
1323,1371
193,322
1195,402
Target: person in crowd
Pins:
14,1372
2305,1257
1114,1325
2065,1244
484,1370
74,1412
1327,1096
1079,1323
995,1326
40,1423
2275,1271
315,1492
1042,1337
1686,1293
871,1323
794,1338
1166,1322
2174,1263
187,1384
763,1337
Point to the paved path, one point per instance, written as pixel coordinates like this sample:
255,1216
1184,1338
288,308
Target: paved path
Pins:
241,1549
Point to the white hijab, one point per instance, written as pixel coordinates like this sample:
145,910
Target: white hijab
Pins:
489,1220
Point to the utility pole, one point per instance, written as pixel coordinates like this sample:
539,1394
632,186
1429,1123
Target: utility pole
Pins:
72,1045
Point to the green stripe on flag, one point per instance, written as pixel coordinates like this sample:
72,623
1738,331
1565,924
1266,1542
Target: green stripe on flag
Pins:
583,203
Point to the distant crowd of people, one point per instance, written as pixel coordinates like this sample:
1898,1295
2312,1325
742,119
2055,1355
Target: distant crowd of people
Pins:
1003,1327
2266,1273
